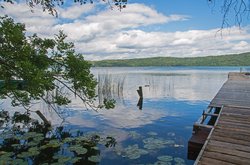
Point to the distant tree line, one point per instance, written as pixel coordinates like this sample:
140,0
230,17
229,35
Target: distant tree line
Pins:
224,60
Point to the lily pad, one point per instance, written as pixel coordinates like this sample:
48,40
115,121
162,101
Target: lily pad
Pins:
19,162
134,135
81,138
68,140
179,161
51,144
165,158
152,133
162,163
74,160
29,135
134,152
26,154
38,138
6,157
64,159
33,143
78,149
6,154
118,150
156,143
94,158
95,148
34,151
57,163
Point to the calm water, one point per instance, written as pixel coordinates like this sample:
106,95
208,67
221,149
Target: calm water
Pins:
174,98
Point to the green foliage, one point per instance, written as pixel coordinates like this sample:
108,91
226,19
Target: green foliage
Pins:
34,144
225,60
41,68
50,5
109,104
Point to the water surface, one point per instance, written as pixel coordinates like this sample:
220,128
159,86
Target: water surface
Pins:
173,99
158,131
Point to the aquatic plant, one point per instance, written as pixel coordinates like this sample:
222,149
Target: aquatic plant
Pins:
94,158
133,152
165,158
110,87
156,143
179,161
152,133
134,135
162,163
39,144
78,149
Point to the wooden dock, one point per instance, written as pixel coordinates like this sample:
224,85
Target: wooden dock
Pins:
229,140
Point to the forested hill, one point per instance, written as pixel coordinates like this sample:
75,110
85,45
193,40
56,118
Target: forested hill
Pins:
224,60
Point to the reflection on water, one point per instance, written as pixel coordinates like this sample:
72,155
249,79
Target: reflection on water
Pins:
26,141
173,99
181,84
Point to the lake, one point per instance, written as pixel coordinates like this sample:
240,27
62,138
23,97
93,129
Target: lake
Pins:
154,130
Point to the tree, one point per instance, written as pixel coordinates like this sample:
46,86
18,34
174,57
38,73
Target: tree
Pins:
33,68
49,5
239,9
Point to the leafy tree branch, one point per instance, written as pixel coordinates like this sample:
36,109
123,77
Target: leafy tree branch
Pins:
31,67
239,9
50,5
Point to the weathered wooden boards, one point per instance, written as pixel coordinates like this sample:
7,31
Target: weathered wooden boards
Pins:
229,140
235,92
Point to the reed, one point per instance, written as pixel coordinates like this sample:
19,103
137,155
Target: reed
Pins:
110,86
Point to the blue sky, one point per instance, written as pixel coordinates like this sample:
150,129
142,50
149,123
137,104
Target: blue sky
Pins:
145,28
200,13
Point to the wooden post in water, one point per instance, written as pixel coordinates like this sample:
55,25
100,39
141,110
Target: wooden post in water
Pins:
140,101
139,91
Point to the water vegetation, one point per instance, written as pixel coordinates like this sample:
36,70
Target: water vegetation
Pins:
169,160
134,135
152,143
24,140
134,152
110,87
242,59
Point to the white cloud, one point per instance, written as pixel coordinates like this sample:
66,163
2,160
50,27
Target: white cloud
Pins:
109,34
182,41
133,16
36,21
138,43
75,11
242,45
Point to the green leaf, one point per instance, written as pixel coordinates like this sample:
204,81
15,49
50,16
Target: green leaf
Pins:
94,158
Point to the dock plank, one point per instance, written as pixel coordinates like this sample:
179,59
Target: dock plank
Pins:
209,161
233,135
229,140
230,102
238,147
228,151
245,142
227,158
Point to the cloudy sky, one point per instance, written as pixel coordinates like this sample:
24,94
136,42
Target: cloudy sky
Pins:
145,28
